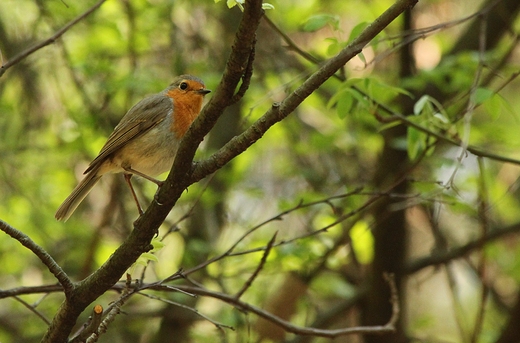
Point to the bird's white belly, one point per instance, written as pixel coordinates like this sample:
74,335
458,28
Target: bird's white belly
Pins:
151,154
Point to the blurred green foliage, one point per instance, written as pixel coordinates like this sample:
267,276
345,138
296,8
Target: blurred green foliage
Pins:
58,106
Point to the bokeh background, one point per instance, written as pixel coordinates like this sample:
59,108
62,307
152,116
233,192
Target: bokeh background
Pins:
417,197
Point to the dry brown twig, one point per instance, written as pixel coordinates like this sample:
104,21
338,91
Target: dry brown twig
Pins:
253,276
389,327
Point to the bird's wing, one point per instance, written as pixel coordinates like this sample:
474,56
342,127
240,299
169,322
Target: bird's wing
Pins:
139,119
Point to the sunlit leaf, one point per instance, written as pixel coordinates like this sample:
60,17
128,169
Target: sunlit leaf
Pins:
150,257
357,30
334,46
157,244
231,3
318,21
362,242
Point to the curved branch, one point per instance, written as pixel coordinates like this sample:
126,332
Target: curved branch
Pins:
46,259
299,330
461,251
146,226
280,111
21,56
410,268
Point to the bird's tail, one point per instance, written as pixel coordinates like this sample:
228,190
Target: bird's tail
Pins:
78,194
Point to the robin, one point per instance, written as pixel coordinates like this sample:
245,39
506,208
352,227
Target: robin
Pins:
145,141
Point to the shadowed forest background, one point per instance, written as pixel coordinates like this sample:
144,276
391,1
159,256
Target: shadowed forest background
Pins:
406,161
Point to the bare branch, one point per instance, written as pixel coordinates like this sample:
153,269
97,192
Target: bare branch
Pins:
410,268
306,331
249,281
191,309
146,226
413,36
21,56
246,78
280,111
33,309
47,259
394,299
30,290
91,326
301,205
454,253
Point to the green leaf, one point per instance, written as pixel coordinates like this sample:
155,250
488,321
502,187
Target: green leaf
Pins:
382,91
335,98
496,104
353,81
389,125
362,57
419,105
345,104
481,95
415,143
157,244
267,6
493,106
318,21
141,262
334,46
149,256
361,98
441,117
233,3
356,31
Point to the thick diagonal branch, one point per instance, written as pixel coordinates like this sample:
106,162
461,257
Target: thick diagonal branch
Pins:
281,110
147,225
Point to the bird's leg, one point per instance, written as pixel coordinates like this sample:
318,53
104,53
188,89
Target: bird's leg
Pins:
127,179
138,173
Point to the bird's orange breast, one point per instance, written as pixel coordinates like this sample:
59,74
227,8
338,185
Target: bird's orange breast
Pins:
186,107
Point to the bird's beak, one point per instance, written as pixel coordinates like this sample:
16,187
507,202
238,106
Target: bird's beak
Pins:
203,91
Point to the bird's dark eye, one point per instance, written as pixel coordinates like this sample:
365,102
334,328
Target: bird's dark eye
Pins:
183,85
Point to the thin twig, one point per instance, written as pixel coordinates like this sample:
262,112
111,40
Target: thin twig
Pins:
186,307
454,253
307,331
471,105
279,111
47,259
21,56
414,35
394,299
301,205
410,268
249,281
113,311
196,201
422,33
483,207
246,77
279,216
33,310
